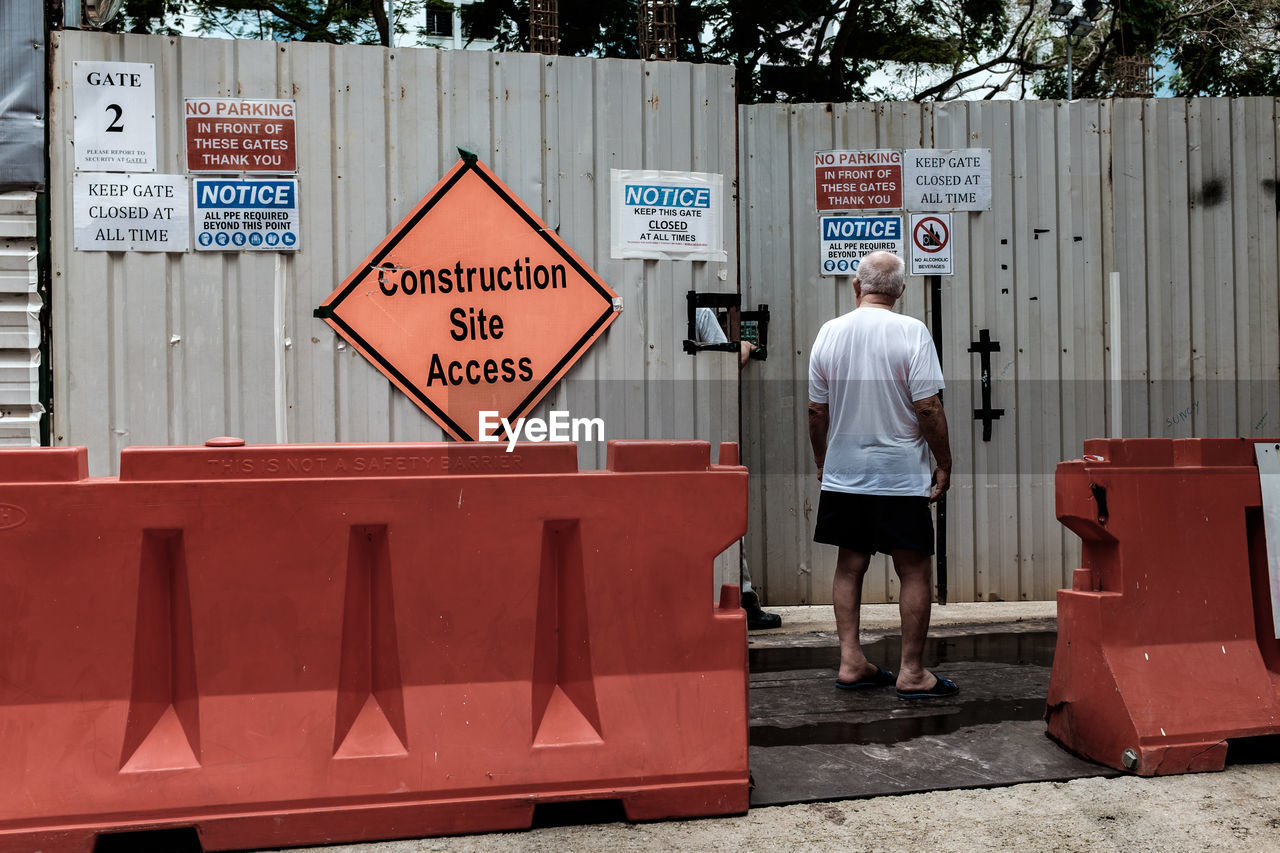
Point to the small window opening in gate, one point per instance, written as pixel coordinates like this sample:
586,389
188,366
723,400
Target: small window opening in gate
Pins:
735,324
182,839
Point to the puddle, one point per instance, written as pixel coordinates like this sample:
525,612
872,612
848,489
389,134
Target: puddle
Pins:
941,721
1034,648
935,717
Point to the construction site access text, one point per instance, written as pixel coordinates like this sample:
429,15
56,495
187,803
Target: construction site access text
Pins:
467,323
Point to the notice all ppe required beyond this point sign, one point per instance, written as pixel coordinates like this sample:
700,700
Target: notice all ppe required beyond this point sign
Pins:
846,240
233,215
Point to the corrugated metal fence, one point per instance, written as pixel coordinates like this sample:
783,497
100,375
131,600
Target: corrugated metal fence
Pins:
19,322
1174,200
173,349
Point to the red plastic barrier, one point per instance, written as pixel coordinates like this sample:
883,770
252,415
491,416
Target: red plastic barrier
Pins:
308,644
1166,646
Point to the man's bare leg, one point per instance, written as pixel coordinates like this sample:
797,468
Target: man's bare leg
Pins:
846,595
915,574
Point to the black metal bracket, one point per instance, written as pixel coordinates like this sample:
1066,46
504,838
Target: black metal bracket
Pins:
984,346
751,326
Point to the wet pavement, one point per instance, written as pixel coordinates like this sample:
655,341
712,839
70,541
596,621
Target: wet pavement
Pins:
810,741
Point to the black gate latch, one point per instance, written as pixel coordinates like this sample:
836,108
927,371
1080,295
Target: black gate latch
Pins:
984,346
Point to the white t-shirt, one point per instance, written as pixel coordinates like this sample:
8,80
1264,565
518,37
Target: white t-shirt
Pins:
709,331
868,366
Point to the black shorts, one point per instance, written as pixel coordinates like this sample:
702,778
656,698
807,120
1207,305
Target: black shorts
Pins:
871,523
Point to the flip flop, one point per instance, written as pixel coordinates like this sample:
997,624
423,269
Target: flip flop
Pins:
944,687
882,678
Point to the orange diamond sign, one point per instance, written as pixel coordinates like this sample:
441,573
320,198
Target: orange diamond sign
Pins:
471,303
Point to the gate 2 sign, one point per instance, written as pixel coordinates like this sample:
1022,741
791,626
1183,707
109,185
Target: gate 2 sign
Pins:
114,125
472,303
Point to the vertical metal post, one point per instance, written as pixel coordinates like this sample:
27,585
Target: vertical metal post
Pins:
1070,70
44,264
1115,339
935,291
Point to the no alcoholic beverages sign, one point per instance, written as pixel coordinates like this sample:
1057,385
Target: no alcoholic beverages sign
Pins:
931,244
472,303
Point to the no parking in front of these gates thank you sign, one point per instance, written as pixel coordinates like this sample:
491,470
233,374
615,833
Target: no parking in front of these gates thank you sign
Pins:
472,303
240,135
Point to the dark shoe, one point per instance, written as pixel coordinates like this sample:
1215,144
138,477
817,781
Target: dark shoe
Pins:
882,678
757,619
944,687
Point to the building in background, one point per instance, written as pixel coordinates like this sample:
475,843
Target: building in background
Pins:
444,28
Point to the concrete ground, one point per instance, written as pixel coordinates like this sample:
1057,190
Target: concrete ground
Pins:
1236,810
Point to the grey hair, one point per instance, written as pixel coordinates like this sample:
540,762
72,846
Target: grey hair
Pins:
882,272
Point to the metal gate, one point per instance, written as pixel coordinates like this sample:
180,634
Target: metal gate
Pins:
1127,270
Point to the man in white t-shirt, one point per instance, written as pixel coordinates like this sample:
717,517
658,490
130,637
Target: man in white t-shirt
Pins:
874,415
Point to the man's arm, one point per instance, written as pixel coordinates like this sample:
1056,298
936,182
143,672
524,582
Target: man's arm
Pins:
933,426
819,423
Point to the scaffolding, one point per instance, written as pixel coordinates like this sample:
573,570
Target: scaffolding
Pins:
1132,77
657,29
544,27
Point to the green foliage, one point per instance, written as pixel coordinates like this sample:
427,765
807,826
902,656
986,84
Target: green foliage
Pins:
827,50
332,21
603,28
1205,70
1206,47
158,17
1227,49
